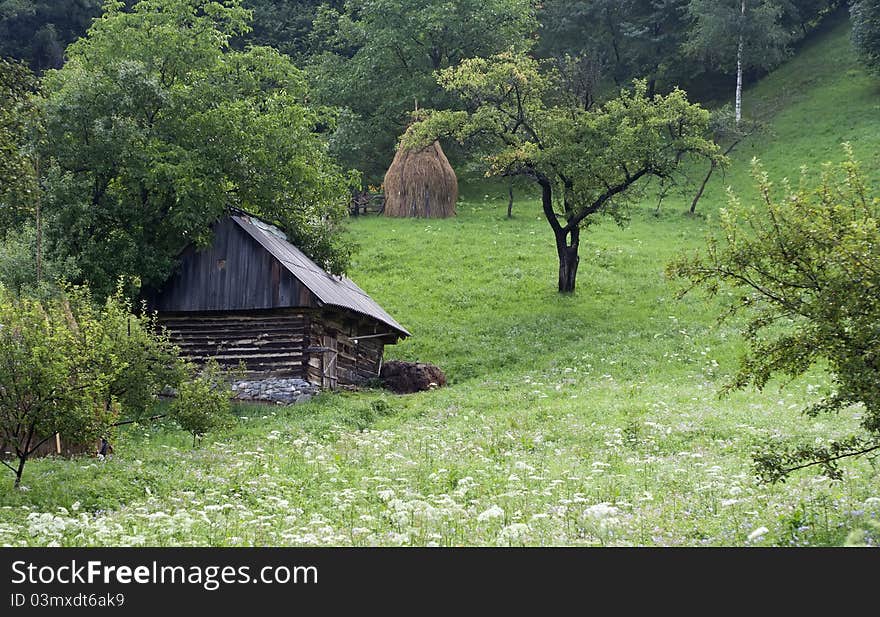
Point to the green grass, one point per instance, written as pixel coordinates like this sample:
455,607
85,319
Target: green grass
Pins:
590,419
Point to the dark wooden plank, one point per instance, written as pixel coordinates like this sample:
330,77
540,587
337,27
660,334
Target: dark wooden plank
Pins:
233,273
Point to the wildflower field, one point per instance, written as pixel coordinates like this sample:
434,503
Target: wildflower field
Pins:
591,419
584,420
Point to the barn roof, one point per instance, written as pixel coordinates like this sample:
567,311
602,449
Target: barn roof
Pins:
339,291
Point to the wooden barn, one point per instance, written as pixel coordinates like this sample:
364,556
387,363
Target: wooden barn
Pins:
253,297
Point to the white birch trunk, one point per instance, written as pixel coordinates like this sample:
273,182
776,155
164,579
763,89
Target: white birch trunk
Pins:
739,69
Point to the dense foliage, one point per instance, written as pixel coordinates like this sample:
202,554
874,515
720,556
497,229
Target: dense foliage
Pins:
18,118
287,25
18,264
625,40
155,126
377,61
720,26
866,32
802,262
38,31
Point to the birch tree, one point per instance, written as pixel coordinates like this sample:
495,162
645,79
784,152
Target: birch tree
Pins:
738,36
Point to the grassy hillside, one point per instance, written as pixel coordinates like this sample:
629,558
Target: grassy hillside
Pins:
583,420
811,105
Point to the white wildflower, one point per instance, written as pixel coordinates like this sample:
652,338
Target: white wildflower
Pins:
600,511
493,512
758,533
515,532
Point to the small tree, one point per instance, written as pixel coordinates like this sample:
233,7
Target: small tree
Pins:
803,263
727,134
203,403
151,360
55,368
865,16
587,162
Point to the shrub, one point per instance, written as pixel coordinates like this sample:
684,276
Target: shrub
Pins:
151,360
203,403
803,264
70,366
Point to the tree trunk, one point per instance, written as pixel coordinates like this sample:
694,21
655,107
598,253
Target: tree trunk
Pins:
39,224
23,454
702,187
567,239
22,459
510,203
568,259
739,68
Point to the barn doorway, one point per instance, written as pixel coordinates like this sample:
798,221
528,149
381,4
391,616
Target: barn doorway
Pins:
330,363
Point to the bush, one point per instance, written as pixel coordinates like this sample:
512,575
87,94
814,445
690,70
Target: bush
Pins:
18,264
151,360
803,264
203,404
55,373
72,367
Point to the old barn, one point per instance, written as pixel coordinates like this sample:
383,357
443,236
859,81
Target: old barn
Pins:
253,297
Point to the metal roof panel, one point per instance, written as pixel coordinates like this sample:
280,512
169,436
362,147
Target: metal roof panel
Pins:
333,290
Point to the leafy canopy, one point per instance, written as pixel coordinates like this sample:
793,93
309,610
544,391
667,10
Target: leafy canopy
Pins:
718,27
18,118
802,263
376,59
627,39
37,31
156,126
527,123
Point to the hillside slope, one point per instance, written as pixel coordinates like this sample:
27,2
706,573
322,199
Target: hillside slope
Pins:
812,104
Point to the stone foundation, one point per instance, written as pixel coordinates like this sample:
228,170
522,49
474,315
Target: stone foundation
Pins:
286,391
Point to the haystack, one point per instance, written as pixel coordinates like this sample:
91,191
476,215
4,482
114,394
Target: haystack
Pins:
421,184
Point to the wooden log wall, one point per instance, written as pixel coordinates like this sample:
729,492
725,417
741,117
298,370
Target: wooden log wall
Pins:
235,273
271,344
281,343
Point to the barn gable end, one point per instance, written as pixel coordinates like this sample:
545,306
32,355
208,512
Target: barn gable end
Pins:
234,273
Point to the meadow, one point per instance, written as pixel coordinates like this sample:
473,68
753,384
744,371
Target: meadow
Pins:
592,419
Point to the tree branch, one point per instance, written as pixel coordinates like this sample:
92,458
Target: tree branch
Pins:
604,197
830,459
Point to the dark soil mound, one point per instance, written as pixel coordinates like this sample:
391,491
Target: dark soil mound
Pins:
408,377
